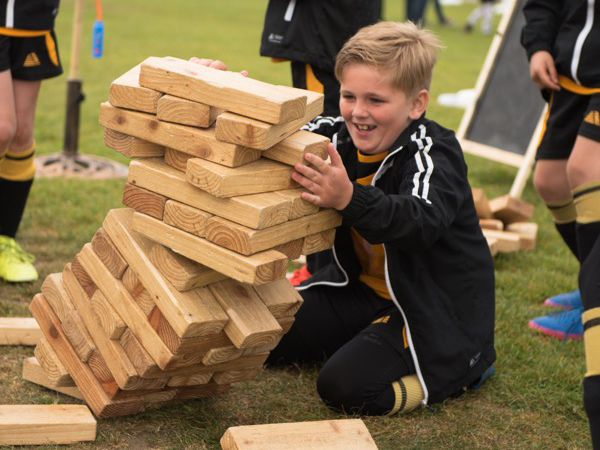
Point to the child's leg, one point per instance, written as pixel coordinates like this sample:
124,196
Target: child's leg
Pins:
373,373
17,170
584,173
328,318
8,116
487,14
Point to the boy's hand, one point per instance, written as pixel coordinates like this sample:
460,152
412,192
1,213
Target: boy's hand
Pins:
543,71
328,182
214,64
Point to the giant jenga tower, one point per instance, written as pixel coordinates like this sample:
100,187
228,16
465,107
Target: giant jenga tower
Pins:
184,292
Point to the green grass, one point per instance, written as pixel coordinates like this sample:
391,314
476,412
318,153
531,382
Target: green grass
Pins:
534,401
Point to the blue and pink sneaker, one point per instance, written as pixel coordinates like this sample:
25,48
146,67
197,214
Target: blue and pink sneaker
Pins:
562,325
568,300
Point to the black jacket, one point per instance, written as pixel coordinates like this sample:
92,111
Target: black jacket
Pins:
570,31
313,31
439,269
29,14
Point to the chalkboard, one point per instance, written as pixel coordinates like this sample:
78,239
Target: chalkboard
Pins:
501,123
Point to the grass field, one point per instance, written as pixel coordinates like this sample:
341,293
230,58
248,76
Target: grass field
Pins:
533,402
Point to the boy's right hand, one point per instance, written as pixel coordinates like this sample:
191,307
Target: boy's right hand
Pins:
543,71
214,64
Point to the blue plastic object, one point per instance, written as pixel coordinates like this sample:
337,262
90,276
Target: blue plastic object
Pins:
98,39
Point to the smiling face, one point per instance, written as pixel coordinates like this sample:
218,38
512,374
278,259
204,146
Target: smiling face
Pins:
375,112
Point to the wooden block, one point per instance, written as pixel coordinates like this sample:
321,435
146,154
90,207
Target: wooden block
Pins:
94,394
186,112
243,362
186,218
222,354
236,376
491,224
137,290
126,92
126,307
121,368
250,322
248,241
256,177
292,149
190,313
176,159
201,391
55,370
318,242
144,201
46,424
160,396
183,273
83,278
254,133
107,317
510,209
286,323
131,146
190,380
198,142
227,90
343,434
254,211
292,249
19,331
108,254
137,354
34,373
78,336
280,298
56,296
527,231
482,205
300,207
506,241
259,268
492,244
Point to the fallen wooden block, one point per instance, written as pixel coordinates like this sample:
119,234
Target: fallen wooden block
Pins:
527,231
144,201
259,268
19,331
292,149
46,424
491,224
511,209
506,242
227,90
199,142
34,373
256,177
482,205
126,92
254,211
492,244
344,434
262,135
131,146
186,112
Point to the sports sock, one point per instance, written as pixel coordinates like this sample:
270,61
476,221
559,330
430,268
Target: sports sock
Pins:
17,172
409,394
591,382
587,203
564,215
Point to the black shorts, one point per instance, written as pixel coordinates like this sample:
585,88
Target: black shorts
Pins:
329,86
570,115
30,57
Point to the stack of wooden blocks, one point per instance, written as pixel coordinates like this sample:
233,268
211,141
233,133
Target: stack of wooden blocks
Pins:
505,223
184,292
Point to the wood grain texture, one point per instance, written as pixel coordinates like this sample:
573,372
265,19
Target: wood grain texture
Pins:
78,335
126,92
318,242
108,254
56,296
144,201
55,370
176,159
186,112
280,298
109,320
186,218
131,146
34,373
292,149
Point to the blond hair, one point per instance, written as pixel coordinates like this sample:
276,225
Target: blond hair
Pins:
401,51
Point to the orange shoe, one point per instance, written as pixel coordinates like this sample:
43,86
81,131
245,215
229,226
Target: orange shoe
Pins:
299,275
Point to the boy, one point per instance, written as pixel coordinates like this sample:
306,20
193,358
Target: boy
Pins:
405,312
28,54
562,39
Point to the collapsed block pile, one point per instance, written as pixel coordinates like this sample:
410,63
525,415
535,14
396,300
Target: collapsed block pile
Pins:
184,292
505,222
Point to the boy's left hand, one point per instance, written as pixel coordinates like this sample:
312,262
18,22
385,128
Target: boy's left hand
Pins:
328,183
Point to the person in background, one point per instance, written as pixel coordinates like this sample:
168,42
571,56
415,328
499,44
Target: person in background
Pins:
28,54
562,40
483,12
309,34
